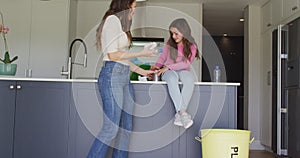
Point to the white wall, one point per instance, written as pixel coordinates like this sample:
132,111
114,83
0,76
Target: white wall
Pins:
252,74
39,32
90,12
18,20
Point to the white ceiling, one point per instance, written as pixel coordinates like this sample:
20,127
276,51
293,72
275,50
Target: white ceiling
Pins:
222,16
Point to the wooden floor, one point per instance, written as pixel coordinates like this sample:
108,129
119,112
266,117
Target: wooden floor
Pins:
261,154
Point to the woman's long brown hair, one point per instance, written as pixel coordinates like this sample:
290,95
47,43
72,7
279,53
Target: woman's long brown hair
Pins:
183,27
121,9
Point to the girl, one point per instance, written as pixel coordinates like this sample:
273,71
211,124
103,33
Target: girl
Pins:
174,64
113,39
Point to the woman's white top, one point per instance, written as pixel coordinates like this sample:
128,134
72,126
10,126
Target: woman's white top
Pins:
113,38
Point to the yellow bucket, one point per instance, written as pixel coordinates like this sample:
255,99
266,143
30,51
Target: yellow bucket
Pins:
225,143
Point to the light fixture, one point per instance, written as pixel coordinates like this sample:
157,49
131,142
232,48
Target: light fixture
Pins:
141,0
242,19
225,35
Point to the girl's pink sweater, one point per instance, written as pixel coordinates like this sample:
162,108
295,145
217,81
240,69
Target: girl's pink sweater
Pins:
180,64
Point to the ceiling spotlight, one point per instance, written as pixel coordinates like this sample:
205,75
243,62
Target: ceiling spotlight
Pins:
225,35
242,19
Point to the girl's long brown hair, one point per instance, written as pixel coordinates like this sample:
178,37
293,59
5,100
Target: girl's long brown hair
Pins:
183,27
121,9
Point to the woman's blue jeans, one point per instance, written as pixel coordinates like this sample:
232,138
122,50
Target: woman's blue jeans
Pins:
118,102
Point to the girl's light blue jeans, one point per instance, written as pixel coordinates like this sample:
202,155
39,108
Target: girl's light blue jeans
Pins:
181,98
118,102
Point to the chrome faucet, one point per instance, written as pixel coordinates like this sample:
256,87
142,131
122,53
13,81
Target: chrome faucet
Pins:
68,72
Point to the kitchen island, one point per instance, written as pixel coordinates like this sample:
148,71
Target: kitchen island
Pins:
59,118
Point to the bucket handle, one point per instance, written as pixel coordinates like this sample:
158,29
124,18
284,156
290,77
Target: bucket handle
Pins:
200,139
251,140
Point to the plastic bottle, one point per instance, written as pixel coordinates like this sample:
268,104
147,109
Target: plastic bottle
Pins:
151,45
159,51
217,74
155,76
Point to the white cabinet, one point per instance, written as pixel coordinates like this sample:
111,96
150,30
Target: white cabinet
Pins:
289,7
40,31
49,37
276,11
283,9
266,89
266,16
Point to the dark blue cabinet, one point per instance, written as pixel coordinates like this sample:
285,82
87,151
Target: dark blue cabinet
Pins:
34,119
154,134
210,106
85,117
7,114
41,120
61,119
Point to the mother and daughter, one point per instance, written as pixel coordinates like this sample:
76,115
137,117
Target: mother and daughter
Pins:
113,40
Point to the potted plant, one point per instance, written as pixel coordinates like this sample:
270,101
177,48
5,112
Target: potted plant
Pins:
6,67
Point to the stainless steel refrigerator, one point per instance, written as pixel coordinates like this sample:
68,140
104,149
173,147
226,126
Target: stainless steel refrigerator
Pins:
286,90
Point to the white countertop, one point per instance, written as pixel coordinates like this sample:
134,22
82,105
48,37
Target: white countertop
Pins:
7,78
196,83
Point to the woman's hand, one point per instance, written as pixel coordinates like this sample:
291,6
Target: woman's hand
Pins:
146,72
162,70
148,52
120,55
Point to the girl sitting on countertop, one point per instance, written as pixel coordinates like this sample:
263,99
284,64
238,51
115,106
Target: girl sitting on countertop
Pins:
174,65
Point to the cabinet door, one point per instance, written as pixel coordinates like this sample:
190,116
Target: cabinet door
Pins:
266,16
213,107
42,113
276,11
154,134
293,40
266,108
289,7
7,111
85,118
49,37
293,126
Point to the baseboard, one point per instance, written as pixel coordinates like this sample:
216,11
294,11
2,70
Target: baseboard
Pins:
269,149
256,145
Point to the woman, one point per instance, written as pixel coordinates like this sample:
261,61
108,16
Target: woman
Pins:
174,64
113,39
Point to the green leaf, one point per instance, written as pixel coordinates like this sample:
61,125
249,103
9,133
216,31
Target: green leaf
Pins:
15,58
6,59
6,56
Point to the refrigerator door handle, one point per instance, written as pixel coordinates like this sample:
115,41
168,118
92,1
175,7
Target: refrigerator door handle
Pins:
283,110
284,56
279,90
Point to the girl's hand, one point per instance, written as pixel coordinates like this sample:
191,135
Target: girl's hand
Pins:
162,70
153,67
